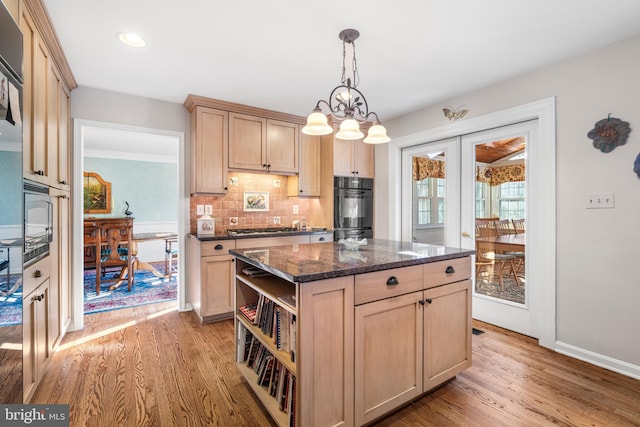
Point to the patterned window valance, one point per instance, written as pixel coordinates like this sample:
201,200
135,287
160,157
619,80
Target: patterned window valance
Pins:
500,174
427,168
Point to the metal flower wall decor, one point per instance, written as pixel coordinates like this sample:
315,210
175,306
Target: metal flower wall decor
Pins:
608,133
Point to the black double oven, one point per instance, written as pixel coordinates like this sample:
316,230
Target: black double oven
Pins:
353,207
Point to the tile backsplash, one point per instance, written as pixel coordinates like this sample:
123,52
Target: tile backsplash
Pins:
231,205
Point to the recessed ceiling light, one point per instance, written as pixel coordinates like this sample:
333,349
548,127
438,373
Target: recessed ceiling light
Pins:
131,39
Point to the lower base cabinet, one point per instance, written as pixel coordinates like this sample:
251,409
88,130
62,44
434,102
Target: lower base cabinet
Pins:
435,346
36,315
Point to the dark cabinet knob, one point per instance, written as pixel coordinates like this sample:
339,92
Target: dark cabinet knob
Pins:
393,280
421,302
450,270
429,300
37,273
225,188
264,165
268,166
219,247
301,191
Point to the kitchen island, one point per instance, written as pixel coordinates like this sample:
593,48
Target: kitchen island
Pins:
332,337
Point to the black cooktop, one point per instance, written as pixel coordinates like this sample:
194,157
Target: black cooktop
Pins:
267,230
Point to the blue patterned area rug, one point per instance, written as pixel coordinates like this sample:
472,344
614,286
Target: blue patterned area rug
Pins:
11,305
147,289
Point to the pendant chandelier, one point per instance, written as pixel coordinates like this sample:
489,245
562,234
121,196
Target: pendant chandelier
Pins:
347,104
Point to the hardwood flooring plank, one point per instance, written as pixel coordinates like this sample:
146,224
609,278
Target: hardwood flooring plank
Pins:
153,366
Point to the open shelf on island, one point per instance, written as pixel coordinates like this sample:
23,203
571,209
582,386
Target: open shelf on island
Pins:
276,289
283,356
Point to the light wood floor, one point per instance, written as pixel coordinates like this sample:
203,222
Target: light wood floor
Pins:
135,368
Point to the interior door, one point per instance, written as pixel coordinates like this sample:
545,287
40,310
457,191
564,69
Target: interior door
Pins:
431,193
503,291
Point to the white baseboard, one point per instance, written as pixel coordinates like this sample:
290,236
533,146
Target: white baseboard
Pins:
603,361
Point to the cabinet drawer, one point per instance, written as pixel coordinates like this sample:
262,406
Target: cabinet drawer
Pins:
217,247
260,242
435,274
380,284
322,237
34,275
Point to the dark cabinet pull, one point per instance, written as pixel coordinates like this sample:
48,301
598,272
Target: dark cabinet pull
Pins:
41,173
37,273
429,300
218,247
321,239
393,280
64,196
450,270
63,182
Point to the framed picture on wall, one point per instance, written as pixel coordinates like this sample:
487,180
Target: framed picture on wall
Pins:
256,201
97,194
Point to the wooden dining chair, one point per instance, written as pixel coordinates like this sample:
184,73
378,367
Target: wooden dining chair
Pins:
114,244
518,225
503,227
490,261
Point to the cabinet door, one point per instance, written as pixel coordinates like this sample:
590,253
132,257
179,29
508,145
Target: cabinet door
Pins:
447,332
342,165
36,344
363,159
60,266
217,279
282,146
209,150
58,132
36,65
309,173
388,355
247,142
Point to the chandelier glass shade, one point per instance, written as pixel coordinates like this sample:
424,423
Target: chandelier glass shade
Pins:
347,105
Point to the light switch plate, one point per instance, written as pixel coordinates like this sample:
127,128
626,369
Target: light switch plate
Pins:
295,209
599,201
199,209
208,209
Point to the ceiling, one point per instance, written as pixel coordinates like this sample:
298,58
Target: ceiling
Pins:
285,55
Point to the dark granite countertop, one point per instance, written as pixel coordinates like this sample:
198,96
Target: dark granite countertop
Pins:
225,236
317,261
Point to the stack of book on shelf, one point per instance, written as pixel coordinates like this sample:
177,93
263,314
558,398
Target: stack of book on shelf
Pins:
274,321
271,374
254,272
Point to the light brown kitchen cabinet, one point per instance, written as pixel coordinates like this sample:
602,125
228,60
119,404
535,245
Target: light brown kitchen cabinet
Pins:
209,150
436,344
60,266
58,116
34,131
36,318
308,182
211,278
260,144
353,158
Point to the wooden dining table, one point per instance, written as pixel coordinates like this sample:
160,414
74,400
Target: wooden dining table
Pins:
506,242
145,237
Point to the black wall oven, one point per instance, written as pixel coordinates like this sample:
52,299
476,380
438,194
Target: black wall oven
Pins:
353,207
38,221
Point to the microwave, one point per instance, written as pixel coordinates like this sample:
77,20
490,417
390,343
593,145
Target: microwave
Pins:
38,221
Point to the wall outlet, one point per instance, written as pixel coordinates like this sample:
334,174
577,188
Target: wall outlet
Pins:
599,201
276,183
208,209
276,220
199,209
295,209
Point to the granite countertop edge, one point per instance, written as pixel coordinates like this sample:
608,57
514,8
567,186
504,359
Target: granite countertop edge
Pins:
225,236
349,271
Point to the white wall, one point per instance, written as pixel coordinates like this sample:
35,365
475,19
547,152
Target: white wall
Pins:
598,289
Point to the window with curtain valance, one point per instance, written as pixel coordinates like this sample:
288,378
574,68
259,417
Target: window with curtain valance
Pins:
494,175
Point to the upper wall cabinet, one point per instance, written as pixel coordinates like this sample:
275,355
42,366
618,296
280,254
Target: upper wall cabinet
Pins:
353,158
209,150
309,180
262,144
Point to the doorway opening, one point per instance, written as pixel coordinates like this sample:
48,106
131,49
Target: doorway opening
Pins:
143,168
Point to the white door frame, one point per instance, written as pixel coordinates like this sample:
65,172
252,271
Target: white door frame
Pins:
77,273
542,166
